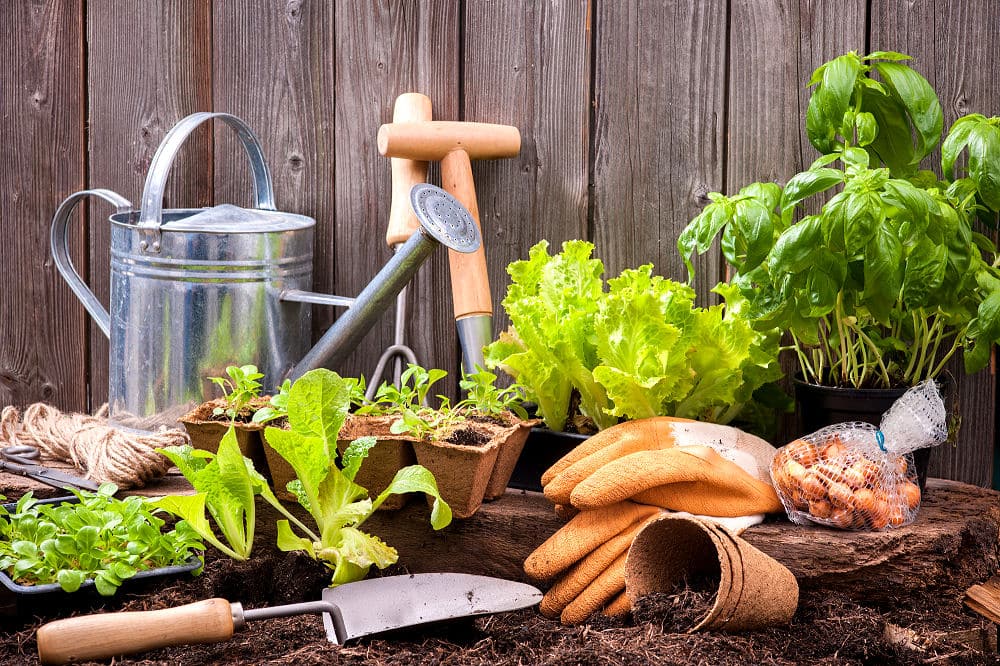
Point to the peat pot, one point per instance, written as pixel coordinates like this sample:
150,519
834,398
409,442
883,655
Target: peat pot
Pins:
196,290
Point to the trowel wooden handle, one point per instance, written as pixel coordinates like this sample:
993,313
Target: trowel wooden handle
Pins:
434,140
470,283
109,634
409,108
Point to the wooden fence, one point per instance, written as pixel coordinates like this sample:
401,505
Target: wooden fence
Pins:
630,113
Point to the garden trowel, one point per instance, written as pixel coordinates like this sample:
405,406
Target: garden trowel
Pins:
349,611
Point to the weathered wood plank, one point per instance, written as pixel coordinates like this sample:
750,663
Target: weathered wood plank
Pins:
42,349
137,89
768,69
385,49
659,133
767,97
527,64
956,46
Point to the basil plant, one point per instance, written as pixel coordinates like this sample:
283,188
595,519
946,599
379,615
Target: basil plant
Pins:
890,279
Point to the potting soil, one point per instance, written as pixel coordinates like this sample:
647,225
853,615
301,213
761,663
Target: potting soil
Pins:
828,629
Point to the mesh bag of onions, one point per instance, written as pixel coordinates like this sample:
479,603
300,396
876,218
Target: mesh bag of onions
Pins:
856,476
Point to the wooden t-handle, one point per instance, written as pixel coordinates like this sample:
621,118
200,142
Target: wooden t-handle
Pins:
470,283
409,108
109,634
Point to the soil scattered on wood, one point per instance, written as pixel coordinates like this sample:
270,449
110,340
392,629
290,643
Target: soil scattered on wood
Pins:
828,629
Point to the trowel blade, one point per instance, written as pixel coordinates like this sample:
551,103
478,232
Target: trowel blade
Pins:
382,604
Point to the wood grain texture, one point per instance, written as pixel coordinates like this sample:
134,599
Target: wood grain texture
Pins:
527,64
42,348
273,66
955,46
769,65
658,132
384,49
137,89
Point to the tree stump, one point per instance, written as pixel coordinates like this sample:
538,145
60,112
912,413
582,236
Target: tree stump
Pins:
954,543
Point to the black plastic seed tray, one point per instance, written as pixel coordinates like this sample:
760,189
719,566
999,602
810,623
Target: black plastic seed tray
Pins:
29,599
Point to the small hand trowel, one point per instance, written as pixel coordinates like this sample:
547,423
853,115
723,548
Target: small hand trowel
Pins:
349,611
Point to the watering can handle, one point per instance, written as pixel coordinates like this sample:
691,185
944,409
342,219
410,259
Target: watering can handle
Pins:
151,213
60,251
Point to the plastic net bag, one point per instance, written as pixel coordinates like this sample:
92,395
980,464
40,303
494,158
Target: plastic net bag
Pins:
857,476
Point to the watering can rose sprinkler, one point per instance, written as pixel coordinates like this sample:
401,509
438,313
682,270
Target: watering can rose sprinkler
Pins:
195,290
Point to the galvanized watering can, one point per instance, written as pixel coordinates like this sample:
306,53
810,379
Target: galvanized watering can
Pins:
195,290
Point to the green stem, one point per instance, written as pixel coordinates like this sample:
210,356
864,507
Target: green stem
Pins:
838,315
803,359
878,355
951,352
292,519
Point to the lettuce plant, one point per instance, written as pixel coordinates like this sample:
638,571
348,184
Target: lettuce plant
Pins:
226,486
317,407
99,537
638,349
239,389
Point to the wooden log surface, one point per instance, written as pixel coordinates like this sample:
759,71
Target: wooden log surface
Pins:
954,543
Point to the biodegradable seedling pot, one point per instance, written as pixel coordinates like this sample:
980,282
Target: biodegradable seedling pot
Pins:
510,443
205,432
753,591
390,454
462,471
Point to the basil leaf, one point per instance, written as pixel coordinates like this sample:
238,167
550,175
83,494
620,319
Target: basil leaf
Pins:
920,101
753,220
984,163
886,55
867,128
924,273
831,100
883,273
863,216
805,184
958,137
795,248
893,144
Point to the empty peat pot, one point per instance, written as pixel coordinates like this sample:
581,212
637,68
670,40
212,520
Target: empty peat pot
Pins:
753,590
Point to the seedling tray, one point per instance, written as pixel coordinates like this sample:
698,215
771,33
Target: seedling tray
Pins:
25,599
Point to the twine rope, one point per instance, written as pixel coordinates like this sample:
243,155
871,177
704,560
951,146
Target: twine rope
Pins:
102,452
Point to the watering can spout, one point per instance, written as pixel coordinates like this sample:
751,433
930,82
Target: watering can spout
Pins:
443,221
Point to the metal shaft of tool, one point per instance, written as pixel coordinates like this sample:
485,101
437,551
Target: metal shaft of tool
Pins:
241,616
342,338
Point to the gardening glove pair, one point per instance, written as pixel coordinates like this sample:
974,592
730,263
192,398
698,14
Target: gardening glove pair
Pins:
587,558
699,468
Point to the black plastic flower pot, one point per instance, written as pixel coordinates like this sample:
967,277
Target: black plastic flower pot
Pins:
819,406
541,450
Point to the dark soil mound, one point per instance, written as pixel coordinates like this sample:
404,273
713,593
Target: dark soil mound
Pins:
828,629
